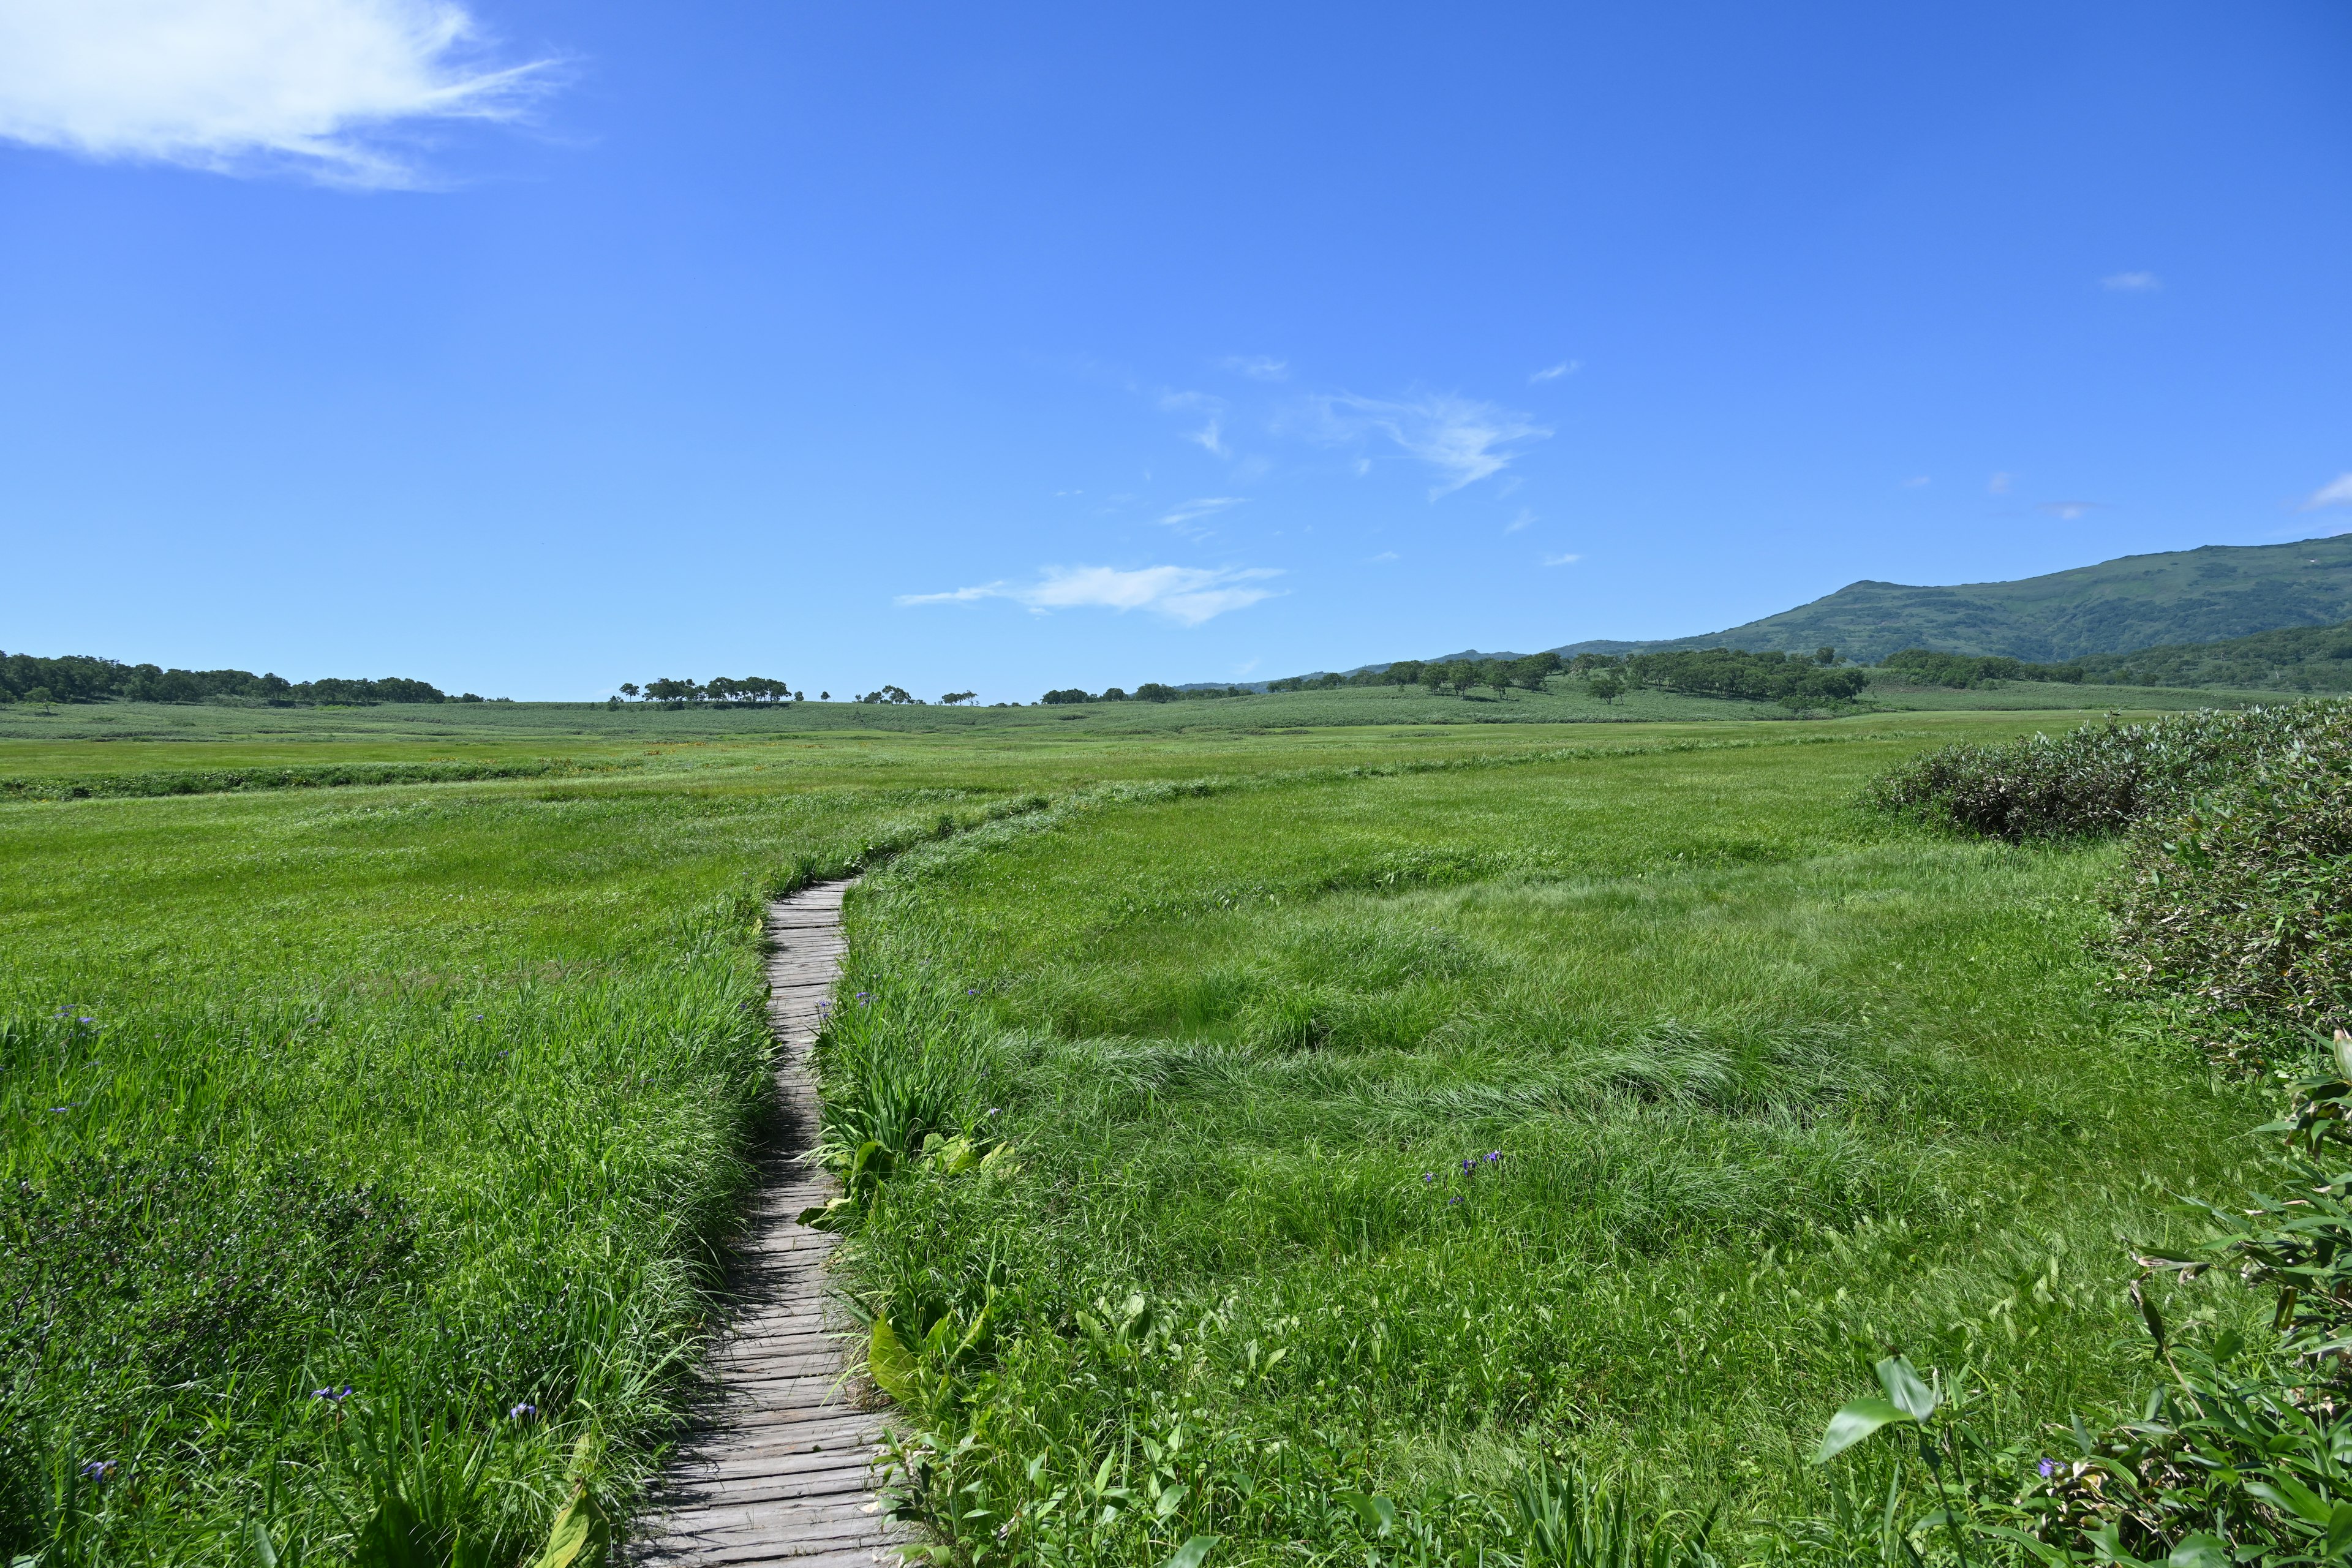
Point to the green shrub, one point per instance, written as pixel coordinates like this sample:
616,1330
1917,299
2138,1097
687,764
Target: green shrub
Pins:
2095,781
2236,906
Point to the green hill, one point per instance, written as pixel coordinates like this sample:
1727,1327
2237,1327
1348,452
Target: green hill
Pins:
2123,606
2293,659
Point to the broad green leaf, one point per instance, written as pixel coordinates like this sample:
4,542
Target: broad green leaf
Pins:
1170,1501
2199,1551
1904,1389
1193,1552
2339,1529
580,1536
2288,1494
892,1366
1855,1422
833,1215
1376,1513
265,1550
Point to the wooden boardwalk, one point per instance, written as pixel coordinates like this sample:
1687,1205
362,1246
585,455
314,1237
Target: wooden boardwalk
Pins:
780,1466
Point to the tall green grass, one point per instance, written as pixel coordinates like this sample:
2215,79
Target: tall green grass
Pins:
1388,1137
371,1152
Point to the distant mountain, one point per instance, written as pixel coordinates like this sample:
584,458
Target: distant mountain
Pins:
2121,606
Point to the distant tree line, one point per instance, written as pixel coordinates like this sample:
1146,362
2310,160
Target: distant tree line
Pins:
78,678
724,690
1797,681
1150,691
1925,667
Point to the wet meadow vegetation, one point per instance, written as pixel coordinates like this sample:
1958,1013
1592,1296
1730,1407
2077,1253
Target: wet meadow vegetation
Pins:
1290,1143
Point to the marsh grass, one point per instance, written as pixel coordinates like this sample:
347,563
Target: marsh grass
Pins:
378,1145
442,1093
1613,1111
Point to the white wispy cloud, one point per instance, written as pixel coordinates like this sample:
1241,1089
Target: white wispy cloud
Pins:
1185,519
1521,522
1186,594
2070,510
314,86
1998,485
1257,367
1465,439
1916,482
1553,373
1383,555
2336,491
2132,282
1561,560
1209,435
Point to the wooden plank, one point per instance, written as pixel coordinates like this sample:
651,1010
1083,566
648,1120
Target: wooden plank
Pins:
781,1465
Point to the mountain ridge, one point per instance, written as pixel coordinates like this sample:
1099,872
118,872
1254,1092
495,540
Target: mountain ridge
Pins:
2210,593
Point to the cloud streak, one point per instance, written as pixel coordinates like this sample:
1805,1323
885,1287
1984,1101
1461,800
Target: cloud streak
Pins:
2336,491
249,87
1553,373
1185,594
1464,439
2132,282
1185,519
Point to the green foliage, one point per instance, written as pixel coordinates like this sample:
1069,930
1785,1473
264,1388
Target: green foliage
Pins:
2243,1450
1925,667
2235,905
1796,682
2294,658
2095,780
723,690
82,678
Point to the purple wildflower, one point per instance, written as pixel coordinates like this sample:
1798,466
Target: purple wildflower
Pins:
1429,1175
100,1470
526,1411
2048,1469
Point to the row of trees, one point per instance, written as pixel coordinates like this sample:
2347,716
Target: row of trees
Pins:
1794,680
79,677
1925,667
729,690
1150,691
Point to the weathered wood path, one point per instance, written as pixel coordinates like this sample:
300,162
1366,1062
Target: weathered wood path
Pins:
780,1469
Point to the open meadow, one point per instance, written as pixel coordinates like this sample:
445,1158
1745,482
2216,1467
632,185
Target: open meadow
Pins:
1388,1105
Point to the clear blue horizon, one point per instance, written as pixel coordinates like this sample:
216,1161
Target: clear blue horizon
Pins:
1060,346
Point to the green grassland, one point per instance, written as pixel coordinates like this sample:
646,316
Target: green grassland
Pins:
445,1091
115,739
1620,1106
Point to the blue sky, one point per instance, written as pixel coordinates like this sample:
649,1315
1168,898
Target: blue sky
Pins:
531,347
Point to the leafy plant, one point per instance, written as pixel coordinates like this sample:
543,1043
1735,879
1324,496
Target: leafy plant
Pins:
2096,780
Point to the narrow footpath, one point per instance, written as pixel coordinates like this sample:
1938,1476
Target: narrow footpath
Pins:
778,1467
